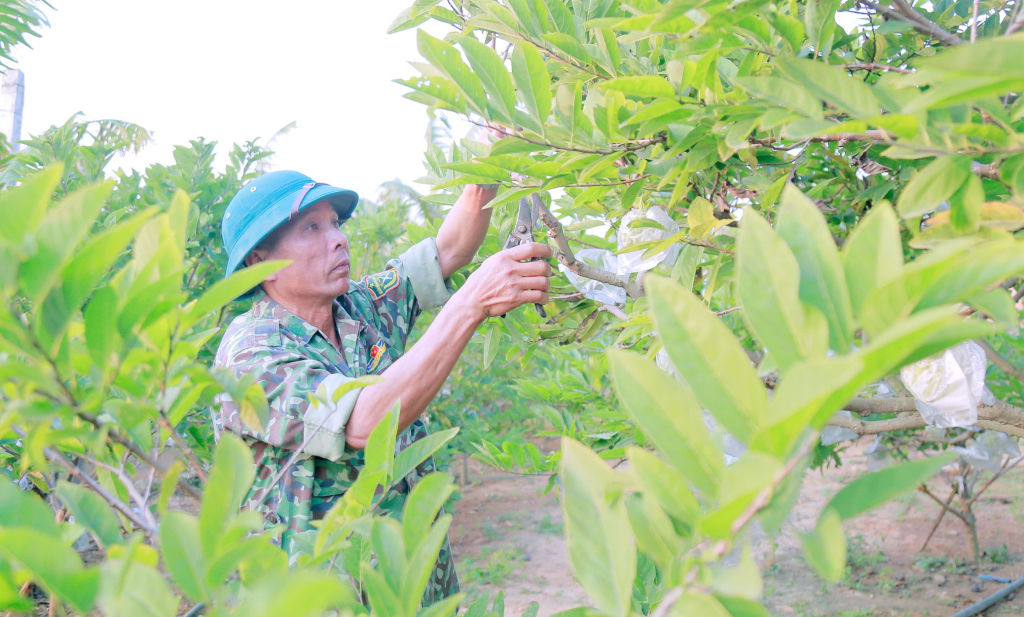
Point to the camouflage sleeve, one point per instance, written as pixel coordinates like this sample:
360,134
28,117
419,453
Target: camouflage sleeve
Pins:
410,284
300,392
423,268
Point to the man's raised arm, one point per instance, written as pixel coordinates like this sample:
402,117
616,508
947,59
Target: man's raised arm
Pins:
464,229
503,282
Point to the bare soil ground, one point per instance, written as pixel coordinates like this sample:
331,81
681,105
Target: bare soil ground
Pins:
507,536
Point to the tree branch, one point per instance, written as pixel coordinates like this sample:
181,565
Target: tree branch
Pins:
907,13
1000,416
996,358
566,257
120,506
924,489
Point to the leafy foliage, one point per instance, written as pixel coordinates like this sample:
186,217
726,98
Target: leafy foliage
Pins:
846,199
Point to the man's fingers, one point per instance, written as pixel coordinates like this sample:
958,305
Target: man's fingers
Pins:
533,296
541,283
534,268
530,250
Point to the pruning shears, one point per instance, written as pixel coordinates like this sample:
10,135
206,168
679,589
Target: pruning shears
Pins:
522,231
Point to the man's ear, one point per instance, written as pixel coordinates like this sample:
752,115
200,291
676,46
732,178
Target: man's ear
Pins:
255,257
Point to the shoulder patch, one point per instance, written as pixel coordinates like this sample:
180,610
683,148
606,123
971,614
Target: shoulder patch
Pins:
381,283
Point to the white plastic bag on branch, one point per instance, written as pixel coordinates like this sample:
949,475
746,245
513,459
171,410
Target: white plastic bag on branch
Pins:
835,434
634,261
596,290
732,448
987,450
948,386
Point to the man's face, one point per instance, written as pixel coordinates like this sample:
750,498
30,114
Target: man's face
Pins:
313,242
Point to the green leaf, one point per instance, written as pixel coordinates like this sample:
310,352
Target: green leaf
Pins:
232,477
21,509
767,283
666,485
934,184
305,593
822,279
448,61
492,343
52,564
790,28
708,358
825,547
874,489
490,68
81,275
833,85
699,603
532,81
785,93
229,289
92,511
738,607
24,206
420,450
422,506
422,563
965,205
182,548
135,589
571,45
601,546
642,86
670,417
742,580
655,536
62,230
873,254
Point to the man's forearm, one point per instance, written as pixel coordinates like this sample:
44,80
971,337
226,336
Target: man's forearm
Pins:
464,229
416,377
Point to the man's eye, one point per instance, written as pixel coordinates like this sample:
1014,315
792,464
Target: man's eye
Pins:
311,227
337,223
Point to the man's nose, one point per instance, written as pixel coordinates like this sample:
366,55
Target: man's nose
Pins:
338,240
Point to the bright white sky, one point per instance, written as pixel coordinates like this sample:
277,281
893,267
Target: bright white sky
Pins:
232,70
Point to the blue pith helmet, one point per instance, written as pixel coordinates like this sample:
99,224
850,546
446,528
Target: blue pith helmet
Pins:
267,202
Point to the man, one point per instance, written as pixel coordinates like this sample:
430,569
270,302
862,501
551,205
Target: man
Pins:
311,329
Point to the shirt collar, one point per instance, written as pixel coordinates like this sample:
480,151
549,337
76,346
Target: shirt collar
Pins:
265,307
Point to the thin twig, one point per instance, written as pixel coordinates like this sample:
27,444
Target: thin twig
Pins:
639,144
119,505
960,515
1007,466
566,257
974,23
938,521
907,13
874,66
166,423
996,358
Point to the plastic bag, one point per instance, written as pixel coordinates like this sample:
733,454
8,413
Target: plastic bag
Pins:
987,450
596,290
947,387
634,261
731,447
835,434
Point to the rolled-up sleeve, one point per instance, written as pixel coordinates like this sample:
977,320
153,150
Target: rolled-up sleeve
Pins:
301,394
422,266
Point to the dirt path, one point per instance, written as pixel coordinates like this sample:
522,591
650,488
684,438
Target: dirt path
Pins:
507,536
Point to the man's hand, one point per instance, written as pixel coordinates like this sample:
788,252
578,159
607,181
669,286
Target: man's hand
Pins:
506,280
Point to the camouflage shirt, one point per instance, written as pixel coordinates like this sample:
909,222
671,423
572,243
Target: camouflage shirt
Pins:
291,359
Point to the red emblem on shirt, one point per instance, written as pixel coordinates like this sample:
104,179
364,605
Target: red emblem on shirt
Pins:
376,354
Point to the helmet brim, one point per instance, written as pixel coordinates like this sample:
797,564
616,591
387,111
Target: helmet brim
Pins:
343,201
